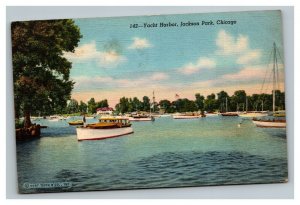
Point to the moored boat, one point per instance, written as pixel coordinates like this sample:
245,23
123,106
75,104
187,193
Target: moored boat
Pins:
165,115
211,114
279,114
141,118
271,123
186,116
76,122
230,114
105,128
252,114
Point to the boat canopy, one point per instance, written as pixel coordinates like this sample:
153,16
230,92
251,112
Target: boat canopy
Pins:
112,119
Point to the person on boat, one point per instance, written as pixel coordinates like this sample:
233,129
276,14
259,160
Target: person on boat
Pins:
84,120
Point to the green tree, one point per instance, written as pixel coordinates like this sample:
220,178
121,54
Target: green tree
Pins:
92,105
279,100
210,103
146,103
102,103
166,105
221,101
40,71
199,101
82,107
130,105
185,105
253,102
239,98
123,105
265,101
137,105
72,106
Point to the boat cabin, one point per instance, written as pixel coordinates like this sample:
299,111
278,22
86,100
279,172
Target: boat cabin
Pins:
123,121
109,123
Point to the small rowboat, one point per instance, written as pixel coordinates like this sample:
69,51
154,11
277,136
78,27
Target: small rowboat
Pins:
76,122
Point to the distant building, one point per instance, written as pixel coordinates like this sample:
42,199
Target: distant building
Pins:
105,111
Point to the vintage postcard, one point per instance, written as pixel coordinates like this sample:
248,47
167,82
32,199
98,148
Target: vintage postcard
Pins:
149,101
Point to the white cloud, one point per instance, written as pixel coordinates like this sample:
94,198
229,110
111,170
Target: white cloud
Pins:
189,69
252,73
140,43
83,52
84,81
237,47
249,57
204,84
110,58
246,74
228,45
159,76
206,63
202,63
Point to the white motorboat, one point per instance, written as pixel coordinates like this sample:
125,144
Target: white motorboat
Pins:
106,128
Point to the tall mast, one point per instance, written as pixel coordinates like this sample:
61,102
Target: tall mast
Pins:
153,102
153,98
226,105
274,76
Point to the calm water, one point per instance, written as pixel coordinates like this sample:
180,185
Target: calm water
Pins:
164,153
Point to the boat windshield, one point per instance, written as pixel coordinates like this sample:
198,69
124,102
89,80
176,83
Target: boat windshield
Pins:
114,120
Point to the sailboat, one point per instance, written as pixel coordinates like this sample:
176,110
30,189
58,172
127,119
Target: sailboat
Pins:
252,114
144,117
272,123
229,114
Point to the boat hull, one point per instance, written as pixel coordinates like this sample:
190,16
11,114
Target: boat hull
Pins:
75,123
89,117
140,119
268,124
185,117
165,115
99,134
211,115
229,114
251,115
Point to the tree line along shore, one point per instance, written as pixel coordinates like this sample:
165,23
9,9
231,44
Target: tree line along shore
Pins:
239,101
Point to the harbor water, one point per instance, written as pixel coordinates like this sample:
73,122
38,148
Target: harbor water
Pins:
164,153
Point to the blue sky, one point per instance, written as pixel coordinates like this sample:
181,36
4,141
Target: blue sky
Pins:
113,60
